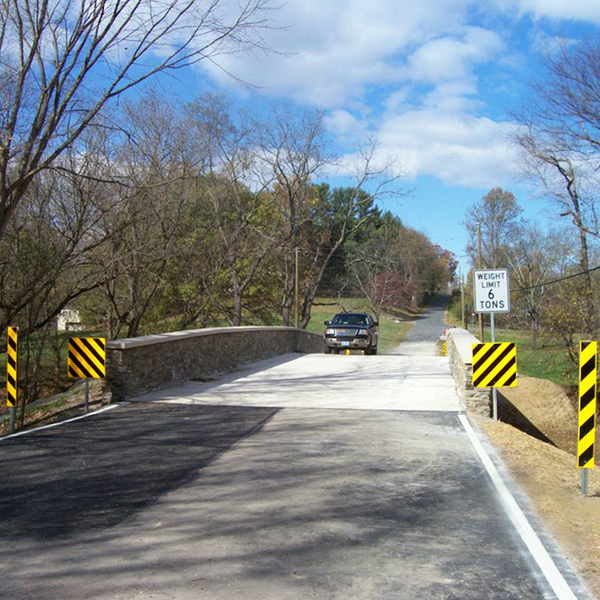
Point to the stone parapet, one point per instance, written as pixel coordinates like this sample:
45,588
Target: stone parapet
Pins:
459,344
136,366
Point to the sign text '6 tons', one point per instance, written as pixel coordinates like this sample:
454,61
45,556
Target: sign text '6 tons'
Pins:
491,291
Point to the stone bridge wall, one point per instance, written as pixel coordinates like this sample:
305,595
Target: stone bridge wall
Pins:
139,365
459,344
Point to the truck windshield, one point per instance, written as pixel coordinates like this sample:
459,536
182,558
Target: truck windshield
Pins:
350,320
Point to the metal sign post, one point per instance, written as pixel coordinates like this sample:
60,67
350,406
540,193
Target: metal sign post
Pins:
494,392
491,291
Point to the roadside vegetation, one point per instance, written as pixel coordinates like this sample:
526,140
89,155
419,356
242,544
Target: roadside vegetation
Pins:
393,325
549,359
194,215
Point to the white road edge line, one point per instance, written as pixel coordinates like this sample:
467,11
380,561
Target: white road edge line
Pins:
519,520
91,414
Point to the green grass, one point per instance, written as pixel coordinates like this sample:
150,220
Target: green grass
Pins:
549,360
391,333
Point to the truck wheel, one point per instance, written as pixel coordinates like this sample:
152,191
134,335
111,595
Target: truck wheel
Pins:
327,349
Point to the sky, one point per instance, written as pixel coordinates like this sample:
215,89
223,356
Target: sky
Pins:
432,81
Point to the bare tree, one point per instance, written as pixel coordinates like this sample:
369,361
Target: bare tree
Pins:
239,206
290,149
63,61
533,259
46,255
498,214
345,213
156,174
559,139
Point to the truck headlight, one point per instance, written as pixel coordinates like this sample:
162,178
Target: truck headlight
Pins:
330,332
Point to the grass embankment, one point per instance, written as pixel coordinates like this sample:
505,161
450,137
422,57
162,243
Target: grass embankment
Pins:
548,360
393,327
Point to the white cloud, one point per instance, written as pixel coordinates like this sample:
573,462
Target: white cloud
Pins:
549,44
335,50
587,11
451,58
409,73
341,122
456,148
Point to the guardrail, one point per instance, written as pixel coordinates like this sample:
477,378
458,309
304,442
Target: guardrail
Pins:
136,366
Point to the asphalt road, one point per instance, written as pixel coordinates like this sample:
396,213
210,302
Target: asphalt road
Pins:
336,487
426,331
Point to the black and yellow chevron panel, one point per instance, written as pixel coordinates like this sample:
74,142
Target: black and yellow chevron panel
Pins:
495,364
588,379
12,360
86,358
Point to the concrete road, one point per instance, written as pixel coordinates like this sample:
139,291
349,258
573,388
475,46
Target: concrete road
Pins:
327,381
331,477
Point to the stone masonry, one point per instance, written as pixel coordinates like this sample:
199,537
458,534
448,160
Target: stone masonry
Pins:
139,365
477,400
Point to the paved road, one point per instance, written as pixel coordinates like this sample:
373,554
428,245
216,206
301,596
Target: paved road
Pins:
332,477
426,331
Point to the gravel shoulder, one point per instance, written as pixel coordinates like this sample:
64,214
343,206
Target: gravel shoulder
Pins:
547,473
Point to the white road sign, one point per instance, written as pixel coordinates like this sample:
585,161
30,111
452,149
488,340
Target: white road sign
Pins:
491,290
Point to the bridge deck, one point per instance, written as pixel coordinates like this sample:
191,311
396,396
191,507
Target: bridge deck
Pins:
328,381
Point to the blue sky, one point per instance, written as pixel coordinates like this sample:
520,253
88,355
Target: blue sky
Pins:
433,81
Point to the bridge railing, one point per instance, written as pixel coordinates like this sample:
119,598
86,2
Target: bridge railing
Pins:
136,366
459,345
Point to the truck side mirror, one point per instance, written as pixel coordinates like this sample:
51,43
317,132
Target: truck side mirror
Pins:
326,322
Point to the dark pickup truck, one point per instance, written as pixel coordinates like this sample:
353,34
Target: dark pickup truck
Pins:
356,331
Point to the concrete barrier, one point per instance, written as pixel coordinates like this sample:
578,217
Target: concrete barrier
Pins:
144,364
459,343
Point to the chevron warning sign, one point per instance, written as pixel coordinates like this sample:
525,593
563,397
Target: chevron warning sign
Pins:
12,359
588,379
86,358
495,364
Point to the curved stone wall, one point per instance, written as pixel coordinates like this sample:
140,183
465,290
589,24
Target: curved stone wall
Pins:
139,365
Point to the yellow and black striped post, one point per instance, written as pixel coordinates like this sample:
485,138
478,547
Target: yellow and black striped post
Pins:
495,364
586,435
86,360
12,370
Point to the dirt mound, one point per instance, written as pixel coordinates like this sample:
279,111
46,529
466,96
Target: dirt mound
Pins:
541,409
550,478
537,441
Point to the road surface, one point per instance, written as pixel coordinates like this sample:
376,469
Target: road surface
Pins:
426,331
315,476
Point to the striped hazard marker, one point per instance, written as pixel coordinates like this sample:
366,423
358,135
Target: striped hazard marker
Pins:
588,379
86,358
495,364
12,339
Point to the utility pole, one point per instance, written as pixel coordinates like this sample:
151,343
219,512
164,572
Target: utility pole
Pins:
479,266
297,299
462,300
